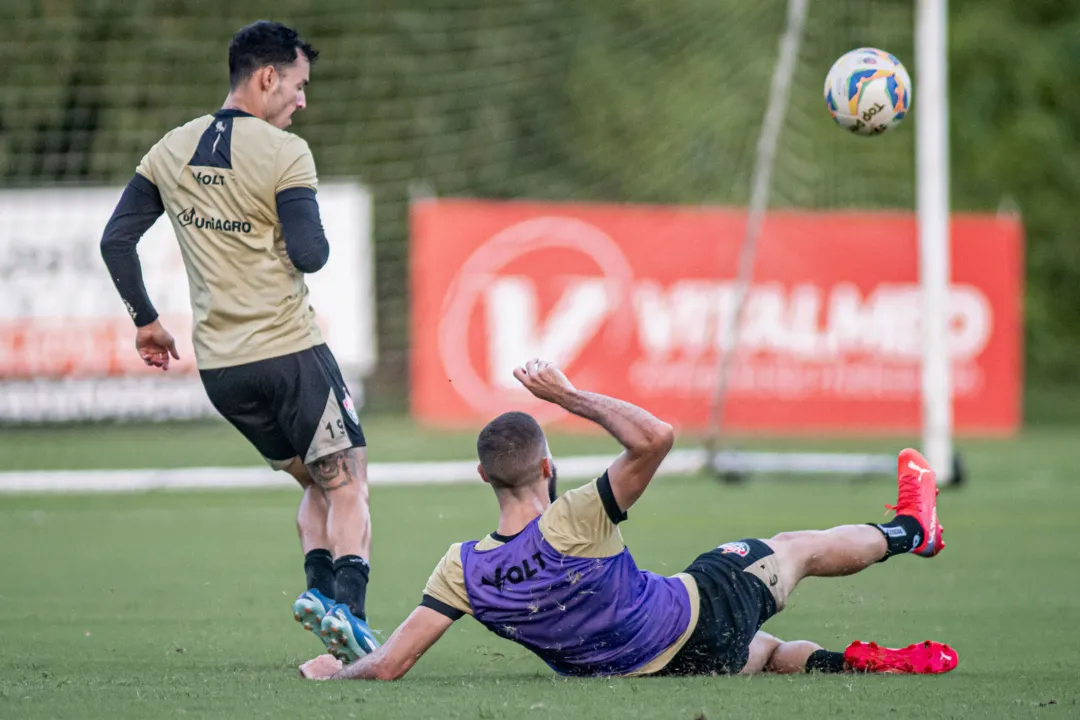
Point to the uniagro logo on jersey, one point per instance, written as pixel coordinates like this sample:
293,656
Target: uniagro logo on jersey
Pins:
191,217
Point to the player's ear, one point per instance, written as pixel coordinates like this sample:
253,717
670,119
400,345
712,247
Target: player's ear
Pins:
483,475
267,77
546,467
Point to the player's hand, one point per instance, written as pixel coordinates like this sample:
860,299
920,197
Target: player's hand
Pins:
544,380
321,668
155,345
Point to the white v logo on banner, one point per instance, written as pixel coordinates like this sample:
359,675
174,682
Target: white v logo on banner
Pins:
517,333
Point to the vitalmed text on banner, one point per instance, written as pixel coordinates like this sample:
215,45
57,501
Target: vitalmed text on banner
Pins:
630,301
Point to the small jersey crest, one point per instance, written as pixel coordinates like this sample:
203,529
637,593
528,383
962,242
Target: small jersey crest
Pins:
735,548
347,403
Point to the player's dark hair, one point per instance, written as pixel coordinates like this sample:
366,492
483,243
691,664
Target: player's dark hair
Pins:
510,449
263,43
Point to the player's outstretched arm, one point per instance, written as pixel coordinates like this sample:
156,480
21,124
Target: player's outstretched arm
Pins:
646,438
391,661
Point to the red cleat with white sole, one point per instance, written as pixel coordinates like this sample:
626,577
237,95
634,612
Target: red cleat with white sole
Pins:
925,658
917,497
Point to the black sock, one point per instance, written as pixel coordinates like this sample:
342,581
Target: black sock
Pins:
826,661
350,582
902,534
319,568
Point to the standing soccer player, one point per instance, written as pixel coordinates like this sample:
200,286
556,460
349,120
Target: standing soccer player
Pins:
240,192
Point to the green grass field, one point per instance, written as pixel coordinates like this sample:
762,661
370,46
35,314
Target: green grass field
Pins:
178,604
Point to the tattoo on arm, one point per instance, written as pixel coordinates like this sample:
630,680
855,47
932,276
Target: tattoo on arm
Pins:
647,441
632,426
335,470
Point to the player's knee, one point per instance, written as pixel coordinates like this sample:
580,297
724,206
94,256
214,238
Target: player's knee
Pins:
299,471
793,553
790,657
761,650
341,472
768,642
792,536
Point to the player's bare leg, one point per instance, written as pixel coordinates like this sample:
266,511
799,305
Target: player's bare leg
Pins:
311,519
846,550
773,655
314,603
342,477
312,514
769,654
761,649
839,551
792,657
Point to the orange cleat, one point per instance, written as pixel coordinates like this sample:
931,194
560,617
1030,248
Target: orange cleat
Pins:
917,497
925,658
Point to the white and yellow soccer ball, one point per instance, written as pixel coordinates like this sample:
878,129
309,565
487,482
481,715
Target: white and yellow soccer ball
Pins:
868,91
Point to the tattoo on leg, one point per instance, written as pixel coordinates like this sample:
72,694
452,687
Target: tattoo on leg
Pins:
334,471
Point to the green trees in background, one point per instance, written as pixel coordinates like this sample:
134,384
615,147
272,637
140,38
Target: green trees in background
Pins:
1016,143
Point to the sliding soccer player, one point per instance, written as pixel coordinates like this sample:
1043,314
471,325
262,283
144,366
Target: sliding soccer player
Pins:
556,578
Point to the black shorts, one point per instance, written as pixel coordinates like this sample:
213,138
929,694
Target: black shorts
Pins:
290,406
734,603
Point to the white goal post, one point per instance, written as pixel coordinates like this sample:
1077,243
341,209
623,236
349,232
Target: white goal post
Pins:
932,214
932,211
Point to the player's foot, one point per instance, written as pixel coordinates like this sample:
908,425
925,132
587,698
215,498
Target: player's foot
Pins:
310,609
917,497
347,636
925,658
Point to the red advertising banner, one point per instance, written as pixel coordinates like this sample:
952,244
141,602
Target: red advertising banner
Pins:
631,302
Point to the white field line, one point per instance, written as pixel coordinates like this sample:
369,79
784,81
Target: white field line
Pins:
679,462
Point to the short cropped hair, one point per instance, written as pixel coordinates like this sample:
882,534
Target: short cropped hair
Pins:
263,43
510,449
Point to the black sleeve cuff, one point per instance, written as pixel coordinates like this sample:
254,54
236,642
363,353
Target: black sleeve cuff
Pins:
442,608
603,486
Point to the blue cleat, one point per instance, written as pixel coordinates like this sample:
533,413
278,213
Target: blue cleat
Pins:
348,637
310,609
